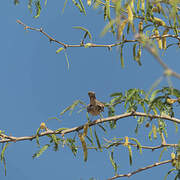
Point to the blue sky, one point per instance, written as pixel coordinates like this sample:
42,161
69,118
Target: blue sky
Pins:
36,85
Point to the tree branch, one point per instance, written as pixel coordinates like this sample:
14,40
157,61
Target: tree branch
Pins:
168,71
5,138
141,169
137,146
91,44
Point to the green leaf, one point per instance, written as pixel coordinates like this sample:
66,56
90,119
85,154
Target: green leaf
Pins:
56,142
111,111
45,3
111,157
160,156
169,172
137,58
66,59
84,146
72,106
115,101
121,56
3,160
71,144
154,130
102,127
112,124
116,94
65,110
130,154
59,50
37,140
61,129
90,140
150,135
79,6
91,135
138,144
107,9
82,7
129,95
176,126
64,6
53,118
134,51
153,95
37,136
107,27
84,29
38,8
37,154
97,140
136,129
3,151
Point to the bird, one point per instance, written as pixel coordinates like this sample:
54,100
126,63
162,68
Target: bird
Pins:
95,107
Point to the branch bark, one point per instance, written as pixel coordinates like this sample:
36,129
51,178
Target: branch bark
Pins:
141,169
6,138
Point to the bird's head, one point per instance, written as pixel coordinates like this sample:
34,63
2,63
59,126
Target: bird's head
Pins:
91,94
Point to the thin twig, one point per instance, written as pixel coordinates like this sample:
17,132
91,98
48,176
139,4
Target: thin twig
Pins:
168,71
92,44
141,169
111,143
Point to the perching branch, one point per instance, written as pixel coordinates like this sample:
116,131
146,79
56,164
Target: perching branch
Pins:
5,138
141,169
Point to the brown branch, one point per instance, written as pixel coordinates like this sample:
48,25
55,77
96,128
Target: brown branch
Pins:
5,138
141,169
168,71
91,44
137,146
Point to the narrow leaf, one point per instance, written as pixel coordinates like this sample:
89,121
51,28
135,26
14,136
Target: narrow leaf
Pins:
82,6
37,154
130,154
138,144
121,56
77,5
154,130
38,8
107,5
59,50
97,140
107,27
3,151
134,51
67,60
111,157
160,156
82,139
169,172
84,29
102,127
64,6
86,126
56,142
